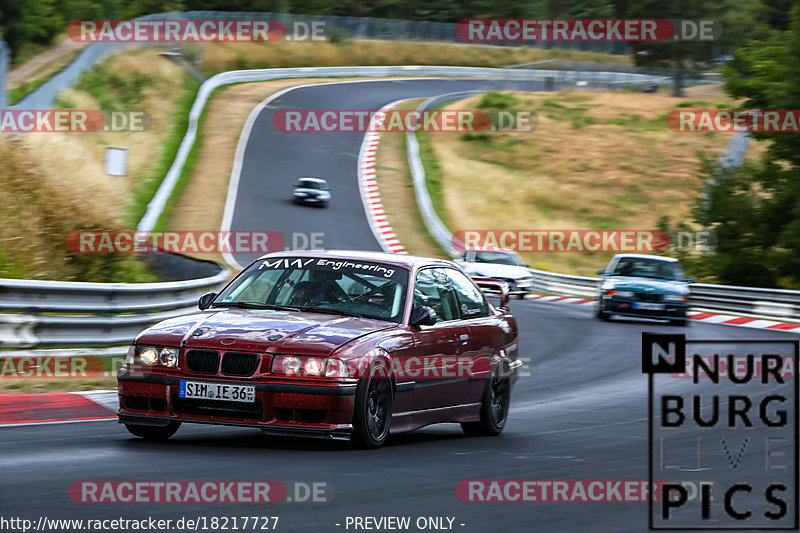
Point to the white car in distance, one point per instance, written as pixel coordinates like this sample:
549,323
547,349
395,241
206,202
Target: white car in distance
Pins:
499,263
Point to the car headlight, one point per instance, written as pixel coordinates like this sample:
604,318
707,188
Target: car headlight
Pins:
168,357
335,368
152,356
625,294
675,298
302,365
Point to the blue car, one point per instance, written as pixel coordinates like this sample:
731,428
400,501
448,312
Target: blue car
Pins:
647,286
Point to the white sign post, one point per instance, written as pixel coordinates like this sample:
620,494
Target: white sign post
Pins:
116,161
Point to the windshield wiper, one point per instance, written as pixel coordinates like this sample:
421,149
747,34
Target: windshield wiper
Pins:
325,310
255,305
243,305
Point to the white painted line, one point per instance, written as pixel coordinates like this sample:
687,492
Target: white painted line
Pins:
49,422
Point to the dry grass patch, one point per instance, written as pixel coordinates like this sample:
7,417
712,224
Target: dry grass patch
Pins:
597,160
225,56
40,210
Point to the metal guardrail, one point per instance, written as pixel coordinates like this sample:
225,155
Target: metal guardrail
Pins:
63,314
769,304
564,284
430,217
766,303
5,61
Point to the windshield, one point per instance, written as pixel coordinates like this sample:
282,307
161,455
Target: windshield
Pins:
648,268
500,258
310,184
336,286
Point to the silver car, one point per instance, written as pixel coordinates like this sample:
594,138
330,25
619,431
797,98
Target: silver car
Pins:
312,191
500,264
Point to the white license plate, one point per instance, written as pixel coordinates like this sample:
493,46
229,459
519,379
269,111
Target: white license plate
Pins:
644,306
217,391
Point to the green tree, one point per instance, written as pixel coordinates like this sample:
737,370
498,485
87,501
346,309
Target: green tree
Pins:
31,21
755,210
681,56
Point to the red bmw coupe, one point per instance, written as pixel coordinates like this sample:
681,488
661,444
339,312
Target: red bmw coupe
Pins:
341,345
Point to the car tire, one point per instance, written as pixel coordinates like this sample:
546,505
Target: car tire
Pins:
372,415
602,315
494,407
153,433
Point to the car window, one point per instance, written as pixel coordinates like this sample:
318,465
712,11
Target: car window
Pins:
253,288
471,302
500,258
357,288
309,184
648,268
432,288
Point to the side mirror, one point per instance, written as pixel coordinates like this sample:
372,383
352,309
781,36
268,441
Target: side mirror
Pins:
422,315
602,271
205,300
494,288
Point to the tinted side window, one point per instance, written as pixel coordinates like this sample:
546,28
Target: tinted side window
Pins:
432,288
624,268
470,299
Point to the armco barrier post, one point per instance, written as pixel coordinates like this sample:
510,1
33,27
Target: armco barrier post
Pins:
5,59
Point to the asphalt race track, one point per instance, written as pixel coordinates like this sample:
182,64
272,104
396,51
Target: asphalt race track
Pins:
581,413
273,160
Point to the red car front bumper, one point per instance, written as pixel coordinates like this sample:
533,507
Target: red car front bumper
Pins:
282,407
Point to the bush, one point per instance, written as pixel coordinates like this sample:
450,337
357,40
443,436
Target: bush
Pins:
338,35
112,90
481,136
497,100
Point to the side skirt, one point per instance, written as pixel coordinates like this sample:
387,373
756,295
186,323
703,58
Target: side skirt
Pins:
411,420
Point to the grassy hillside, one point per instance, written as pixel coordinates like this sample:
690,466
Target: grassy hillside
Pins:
597,160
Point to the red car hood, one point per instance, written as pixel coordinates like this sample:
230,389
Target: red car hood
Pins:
261,331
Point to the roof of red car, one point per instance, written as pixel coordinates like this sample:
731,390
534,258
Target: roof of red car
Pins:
408,261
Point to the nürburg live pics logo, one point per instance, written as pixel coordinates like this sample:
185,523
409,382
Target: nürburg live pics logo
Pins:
725,439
